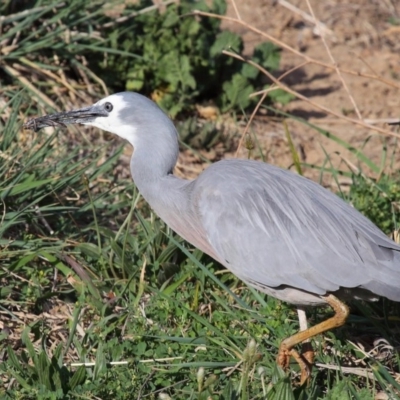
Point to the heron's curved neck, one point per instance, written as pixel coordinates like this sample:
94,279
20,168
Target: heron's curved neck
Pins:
154,158
169,196
159,187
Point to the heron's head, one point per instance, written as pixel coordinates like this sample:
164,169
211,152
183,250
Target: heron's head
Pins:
127,114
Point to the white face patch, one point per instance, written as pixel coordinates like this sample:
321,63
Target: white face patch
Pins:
112,123
116,100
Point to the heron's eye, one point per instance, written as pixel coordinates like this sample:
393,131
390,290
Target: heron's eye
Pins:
108,107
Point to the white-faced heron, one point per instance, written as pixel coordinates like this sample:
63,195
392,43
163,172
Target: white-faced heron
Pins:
277,231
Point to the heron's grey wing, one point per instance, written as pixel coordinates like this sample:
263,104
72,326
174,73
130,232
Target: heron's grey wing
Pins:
272,228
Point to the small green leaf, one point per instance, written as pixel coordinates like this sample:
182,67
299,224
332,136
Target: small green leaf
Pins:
90,250
42,368
280,96
226,40
267,55
135,80
26,186
170,20
78,377
249,71
237,93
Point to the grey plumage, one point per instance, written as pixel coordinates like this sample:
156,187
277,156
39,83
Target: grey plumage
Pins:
277,230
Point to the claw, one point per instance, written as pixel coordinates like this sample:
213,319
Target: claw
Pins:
306,358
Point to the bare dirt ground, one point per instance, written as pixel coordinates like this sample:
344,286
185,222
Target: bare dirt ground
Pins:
361,38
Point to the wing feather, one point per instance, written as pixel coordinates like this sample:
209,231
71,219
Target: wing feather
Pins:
275,228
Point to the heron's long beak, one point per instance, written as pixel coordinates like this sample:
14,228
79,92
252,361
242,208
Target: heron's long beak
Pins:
82,116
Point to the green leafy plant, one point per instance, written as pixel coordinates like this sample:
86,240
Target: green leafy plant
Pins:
172,56
180,59
41,375
379,201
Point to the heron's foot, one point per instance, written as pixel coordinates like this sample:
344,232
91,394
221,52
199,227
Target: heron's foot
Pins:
283,358
305,366
307,352
304,360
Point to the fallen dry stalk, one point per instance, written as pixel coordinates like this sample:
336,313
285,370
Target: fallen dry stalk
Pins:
320,28
334,63
253,114
364,372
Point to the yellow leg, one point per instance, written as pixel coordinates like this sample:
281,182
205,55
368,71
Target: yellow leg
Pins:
306,359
